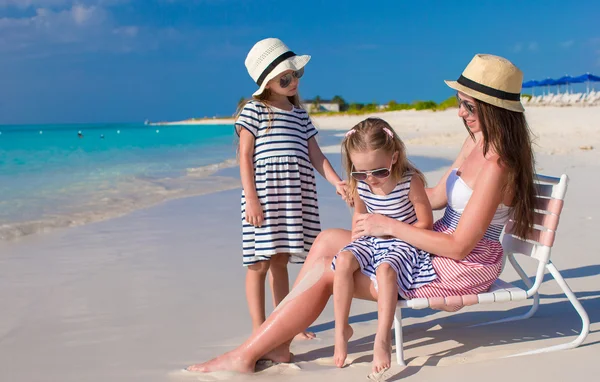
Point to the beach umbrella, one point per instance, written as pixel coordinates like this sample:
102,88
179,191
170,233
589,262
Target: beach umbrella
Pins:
547,82
564,80
587,78
531,84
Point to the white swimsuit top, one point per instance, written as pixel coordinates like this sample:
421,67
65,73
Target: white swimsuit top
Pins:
458,194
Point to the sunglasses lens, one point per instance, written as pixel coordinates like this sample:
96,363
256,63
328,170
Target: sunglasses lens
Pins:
469,108
285,81
359,175
299,73
383,173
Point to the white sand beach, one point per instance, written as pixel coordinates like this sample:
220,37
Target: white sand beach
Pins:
140,297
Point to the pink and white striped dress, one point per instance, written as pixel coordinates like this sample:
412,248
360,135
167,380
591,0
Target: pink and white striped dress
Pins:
476,272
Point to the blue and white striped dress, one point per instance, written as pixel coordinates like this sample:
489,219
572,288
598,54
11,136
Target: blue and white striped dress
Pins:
285,184
413,266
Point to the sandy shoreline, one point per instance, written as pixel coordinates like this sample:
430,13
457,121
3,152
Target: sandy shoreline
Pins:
558,130
139,297
204,121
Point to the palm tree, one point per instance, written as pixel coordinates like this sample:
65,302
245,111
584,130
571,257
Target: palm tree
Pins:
316,105
340,101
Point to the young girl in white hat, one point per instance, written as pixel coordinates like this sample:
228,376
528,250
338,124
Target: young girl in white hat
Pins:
277,151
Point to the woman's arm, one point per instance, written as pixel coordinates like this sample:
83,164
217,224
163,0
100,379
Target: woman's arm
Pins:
254,213
473,223
437,194
420,201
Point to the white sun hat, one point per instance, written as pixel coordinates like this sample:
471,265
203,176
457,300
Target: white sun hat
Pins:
269,58
492,79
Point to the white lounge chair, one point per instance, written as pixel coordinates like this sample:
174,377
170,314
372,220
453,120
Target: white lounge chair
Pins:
550,198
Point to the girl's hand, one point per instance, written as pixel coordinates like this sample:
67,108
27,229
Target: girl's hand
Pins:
254,212
341,189
371,225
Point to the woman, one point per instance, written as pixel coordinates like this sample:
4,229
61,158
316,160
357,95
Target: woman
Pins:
490,181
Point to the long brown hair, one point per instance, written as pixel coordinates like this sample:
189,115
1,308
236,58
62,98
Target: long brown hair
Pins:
508,134
371,135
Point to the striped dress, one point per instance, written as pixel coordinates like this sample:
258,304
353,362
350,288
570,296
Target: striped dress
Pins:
285,184
476,272
413,267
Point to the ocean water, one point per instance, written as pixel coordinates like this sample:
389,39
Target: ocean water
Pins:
51,177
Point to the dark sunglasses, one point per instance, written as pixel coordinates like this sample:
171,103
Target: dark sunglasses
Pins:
469,107
286,79
380,173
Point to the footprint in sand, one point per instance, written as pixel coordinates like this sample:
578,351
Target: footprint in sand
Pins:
329,361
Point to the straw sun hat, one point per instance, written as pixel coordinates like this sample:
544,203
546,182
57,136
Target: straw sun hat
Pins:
493,80
269,58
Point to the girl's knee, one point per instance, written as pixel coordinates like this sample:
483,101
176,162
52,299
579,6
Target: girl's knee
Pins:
279,261
385,270
260,267
345,261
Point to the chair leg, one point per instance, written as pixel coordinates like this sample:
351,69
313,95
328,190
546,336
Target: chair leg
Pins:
585,321
398,335
536,298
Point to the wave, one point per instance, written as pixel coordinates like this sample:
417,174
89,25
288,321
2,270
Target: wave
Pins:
125,196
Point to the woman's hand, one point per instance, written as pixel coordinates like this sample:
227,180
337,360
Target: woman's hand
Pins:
371,225
254,212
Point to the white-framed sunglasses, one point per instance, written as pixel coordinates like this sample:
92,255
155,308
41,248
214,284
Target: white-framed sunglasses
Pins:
380,173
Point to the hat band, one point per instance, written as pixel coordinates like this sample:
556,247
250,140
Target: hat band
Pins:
273,65
488,90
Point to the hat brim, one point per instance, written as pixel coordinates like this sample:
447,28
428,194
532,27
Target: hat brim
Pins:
504,104
292,63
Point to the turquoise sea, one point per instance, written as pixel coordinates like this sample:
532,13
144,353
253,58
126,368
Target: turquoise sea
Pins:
50,176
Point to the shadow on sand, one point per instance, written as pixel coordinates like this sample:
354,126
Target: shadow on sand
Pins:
552,320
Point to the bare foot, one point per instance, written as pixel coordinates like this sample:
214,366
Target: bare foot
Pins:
226,362
305,336
280,354
341,346
382,354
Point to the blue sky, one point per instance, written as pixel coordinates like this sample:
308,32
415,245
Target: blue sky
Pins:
67,61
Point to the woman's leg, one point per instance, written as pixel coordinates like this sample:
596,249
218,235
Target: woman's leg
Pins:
293,316
280,285
255,292
386,307
343,290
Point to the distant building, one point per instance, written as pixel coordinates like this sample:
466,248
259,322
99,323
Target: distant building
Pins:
324,105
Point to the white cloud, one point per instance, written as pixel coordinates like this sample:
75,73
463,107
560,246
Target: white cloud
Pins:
82,15
127,31
54,4
32,3
77,28
533,46
567,44
518,47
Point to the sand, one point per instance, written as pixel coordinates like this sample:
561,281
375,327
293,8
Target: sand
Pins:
139,297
